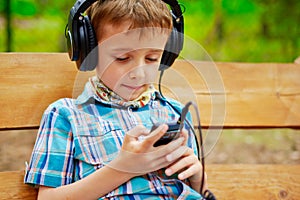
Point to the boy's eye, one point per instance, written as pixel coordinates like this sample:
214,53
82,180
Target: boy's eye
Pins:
122,59
152,59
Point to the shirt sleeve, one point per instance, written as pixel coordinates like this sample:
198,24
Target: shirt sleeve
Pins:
51,162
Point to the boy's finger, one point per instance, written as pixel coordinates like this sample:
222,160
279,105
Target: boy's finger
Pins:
137,131
177,153
155,134
182,163
184,133
167,149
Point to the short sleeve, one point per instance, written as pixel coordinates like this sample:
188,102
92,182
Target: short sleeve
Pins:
51,162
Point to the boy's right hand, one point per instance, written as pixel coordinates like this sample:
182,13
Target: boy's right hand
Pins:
139,156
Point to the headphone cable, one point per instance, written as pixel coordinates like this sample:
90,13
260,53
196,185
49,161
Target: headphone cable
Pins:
199,127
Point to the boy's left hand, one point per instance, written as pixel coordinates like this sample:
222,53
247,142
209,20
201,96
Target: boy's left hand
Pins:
188,165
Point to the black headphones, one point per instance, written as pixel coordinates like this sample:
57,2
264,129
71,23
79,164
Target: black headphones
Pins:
81,39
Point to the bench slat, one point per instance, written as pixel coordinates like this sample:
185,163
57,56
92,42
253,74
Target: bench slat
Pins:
225,181
248,181
12,186
253,95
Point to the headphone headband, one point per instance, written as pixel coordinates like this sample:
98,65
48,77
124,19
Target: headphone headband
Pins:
81,39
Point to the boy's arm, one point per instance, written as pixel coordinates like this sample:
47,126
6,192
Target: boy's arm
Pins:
93,186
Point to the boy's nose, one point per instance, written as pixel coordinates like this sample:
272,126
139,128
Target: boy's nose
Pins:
137,72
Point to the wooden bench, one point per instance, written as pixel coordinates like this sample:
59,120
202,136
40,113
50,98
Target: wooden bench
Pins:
229,95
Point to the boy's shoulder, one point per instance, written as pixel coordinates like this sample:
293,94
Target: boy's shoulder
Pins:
61,104
175,103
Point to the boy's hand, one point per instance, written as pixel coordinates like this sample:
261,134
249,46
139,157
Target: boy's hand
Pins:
139,156
187,166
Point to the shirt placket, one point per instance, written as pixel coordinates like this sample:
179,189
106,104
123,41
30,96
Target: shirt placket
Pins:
132,118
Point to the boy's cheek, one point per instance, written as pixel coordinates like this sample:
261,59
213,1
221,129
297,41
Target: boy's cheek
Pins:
104,62
152,74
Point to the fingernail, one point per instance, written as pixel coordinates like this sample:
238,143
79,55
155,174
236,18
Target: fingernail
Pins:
163,127
169,157
181,176
168,172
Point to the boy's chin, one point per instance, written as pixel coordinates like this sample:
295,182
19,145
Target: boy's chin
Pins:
133,95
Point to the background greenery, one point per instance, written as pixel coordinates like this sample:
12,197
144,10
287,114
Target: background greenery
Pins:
229,30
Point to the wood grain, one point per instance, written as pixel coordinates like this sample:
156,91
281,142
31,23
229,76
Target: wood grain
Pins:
225,181
12,187
234,181
228,94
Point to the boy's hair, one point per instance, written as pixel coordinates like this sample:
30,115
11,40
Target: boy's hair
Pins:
140,13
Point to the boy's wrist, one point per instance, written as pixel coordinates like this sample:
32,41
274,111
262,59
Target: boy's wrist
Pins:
196,183
122,174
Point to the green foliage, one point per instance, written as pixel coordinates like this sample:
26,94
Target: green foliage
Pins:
238,8
48,38
23,7
245,30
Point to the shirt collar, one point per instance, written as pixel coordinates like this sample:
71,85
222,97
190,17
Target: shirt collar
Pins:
88,96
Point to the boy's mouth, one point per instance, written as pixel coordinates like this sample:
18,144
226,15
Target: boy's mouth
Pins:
130,87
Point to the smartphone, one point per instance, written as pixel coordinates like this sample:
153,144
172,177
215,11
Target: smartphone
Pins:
172,133
174,129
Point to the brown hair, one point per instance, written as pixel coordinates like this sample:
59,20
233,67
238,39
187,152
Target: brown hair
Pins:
140,13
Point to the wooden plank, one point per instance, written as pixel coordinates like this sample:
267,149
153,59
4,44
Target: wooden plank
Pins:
16,148
228,94
225,181
12,187
253,94
29,83
254,181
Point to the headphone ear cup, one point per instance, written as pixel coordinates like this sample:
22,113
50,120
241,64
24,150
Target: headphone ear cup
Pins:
171,51
88,58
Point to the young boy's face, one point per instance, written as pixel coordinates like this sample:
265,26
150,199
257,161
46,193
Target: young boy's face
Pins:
129,60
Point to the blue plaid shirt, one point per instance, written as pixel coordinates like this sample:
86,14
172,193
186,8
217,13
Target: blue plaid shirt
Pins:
79,136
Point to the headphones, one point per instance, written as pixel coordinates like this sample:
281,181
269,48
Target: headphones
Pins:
82,42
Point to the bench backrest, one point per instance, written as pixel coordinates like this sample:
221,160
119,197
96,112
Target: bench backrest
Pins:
240,94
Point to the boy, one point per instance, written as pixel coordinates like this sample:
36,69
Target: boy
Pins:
99,146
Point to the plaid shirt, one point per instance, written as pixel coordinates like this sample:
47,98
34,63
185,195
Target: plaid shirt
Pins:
79,136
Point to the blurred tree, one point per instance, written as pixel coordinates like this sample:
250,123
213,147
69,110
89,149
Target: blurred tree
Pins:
7,10
280,21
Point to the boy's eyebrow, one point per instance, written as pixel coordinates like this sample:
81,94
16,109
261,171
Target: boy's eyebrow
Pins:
157,50
132,49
